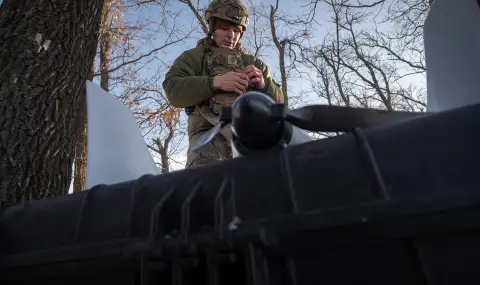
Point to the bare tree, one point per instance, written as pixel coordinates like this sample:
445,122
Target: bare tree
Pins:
280,45
288,33
139,77
326,61
196,11
256,36
127,51
403,41
362,64
159,121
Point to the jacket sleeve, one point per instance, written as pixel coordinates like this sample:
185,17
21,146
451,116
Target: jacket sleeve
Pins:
272,89
183,85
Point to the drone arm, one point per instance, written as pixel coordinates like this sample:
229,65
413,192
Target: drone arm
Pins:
181,77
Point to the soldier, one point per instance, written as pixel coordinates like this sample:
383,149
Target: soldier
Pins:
212,75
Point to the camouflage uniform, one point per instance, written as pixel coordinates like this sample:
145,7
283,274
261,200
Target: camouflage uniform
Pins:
189,83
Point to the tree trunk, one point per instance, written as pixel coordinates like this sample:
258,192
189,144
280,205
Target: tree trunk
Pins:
105,45
281,51
46,51
165,161
164,150
80,172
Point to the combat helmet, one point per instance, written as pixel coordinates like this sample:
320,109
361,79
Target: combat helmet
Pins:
230,10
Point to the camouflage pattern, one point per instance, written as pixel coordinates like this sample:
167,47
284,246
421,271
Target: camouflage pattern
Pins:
218,61
230,10
188,84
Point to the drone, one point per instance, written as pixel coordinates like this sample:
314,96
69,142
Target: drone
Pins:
281,220
259,124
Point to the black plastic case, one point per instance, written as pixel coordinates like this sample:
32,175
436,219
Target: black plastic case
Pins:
397,204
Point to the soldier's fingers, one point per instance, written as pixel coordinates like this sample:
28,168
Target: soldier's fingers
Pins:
255,80
252,71
243,76
240,86
252,74
249,68
257,77
243,82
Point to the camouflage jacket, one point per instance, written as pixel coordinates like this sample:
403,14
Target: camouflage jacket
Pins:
186,83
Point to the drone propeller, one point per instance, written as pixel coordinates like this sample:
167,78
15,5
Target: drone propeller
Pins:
326,118
208,136
258,122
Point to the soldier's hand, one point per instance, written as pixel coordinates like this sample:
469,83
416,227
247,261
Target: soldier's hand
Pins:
255,76
232,81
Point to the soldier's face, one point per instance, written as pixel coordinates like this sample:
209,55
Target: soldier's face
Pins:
227,36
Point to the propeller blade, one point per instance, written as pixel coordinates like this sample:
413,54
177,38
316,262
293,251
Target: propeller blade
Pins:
326,118
207,137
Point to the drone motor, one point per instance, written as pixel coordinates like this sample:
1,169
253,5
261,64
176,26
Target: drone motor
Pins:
255,126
